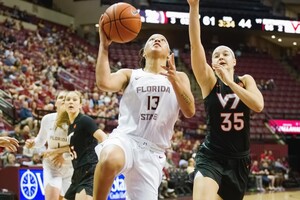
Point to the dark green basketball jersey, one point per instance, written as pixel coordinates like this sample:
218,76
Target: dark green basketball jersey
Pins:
228,120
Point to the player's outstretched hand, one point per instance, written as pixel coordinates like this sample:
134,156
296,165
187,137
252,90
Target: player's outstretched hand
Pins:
9,143
29,143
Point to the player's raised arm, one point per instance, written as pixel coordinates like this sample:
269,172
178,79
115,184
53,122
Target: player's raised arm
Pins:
202,71
106,80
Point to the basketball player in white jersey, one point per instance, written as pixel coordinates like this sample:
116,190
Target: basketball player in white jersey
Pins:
152,98
56,170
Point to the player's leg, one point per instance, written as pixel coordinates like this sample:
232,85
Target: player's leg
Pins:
83,196
205,188
52,182
143,180
111,162
66,180
235,178
207,176
51,193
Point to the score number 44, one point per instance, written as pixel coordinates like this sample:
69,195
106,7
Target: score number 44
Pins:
245,23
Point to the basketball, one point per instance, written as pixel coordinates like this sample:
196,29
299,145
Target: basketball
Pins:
121,22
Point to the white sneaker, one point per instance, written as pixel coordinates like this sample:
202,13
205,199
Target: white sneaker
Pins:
169,190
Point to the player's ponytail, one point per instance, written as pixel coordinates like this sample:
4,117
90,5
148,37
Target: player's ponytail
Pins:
62,120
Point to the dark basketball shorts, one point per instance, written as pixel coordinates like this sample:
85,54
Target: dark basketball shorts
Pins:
82,179
231,174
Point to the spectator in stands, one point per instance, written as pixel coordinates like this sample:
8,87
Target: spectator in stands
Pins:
39,103
11,161
25,132
26,115
57,171
201,130
266,85
270,84
164,190
147,118
255,170
36,160
186,149
238,53
180,179
279,171
86,108
186,48
170,164
191,166
195,147
177,139
268,174
285,163
270,157
262,85
10,59
183,164
228,99
176,54
21,132
95,101
263,155
3,130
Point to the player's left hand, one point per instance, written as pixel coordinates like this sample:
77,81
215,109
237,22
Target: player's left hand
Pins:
58,160
170,72
222,73
193,2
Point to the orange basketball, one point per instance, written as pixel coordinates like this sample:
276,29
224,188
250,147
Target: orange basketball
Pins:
122,22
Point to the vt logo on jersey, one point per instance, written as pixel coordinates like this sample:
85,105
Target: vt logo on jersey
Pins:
224,100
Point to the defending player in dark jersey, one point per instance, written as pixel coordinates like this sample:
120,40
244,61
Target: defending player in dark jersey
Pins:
222,161
84,135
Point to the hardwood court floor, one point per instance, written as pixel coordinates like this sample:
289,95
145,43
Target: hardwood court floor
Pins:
286,195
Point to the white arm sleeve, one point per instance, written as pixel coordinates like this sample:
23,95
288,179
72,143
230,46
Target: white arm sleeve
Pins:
46,123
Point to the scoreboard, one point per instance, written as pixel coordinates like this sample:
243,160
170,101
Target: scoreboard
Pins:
223,21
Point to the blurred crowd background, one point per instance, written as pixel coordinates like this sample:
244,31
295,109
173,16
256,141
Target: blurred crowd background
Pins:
39,57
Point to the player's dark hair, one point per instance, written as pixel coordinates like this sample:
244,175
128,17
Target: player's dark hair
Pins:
142,60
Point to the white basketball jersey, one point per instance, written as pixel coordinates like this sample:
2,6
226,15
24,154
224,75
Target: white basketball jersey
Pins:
55,137
148,108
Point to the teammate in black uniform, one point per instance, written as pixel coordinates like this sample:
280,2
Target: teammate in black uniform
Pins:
84,136
222,161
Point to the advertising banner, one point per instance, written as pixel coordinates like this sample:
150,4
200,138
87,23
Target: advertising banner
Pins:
32,186
285,126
